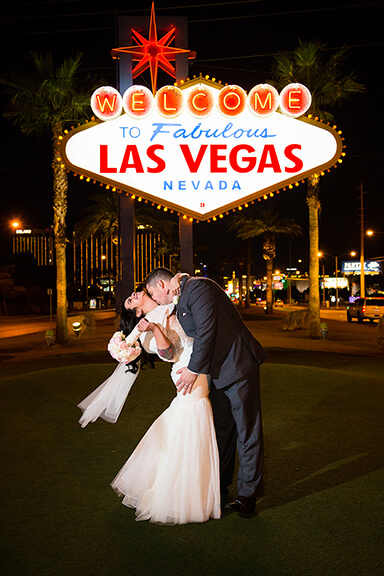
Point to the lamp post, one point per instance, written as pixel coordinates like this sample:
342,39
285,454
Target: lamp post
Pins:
289,286
362,271
337,274
337,282
323,267
320,254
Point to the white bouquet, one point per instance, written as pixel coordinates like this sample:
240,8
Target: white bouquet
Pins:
121,350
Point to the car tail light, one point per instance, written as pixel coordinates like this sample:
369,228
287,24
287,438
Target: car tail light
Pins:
363,308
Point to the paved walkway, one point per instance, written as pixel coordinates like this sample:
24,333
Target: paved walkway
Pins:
343,338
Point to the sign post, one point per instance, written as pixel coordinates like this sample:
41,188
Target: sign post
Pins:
126,205
125,55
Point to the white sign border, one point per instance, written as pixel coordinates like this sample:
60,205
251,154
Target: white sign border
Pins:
289,182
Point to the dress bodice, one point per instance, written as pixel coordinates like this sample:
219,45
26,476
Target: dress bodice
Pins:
166,319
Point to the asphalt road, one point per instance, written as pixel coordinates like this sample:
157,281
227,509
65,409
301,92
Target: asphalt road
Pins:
343,337
20,325
30,324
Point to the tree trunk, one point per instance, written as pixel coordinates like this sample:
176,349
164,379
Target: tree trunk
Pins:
269,297
60,189
314,292
269,253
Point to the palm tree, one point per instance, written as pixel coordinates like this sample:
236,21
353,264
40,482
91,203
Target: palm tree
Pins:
269,224
42,101
100,218
322,72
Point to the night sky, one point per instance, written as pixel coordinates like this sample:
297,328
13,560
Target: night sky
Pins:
235,43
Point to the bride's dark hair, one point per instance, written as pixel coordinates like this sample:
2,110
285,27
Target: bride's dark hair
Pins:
128,321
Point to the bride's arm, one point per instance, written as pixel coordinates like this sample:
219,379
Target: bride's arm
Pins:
165,348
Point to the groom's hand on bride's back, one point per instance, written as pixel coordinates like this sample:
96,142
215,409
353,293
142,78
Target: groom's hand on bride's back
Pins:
186,381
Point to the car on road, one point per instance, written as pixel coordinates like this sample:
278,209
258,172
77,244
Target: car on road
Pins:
370,308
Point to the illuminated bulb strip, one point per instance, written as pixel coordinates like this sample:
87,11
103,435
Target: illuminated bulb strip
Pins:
262,100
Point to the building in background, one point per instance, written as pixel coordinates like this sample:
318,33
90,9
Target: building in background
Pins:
97,264
94,265
39,243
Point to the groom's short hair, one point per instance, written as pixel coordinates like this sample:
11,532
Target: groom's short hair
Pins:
159,274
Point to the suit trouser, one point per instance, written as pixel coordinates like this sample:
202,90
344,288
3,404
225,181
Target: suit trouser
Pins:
237,416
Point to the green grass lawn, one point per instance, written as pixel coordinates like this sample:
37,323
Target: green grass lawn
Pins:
323,510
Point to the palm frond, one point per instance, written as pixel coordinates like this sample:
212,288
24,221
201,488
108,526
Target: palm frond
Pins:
256,222
322,71
48,94
100,218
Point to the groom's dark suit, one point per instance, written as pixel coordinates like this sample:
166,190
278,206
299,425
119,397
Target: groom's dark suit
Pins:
224,348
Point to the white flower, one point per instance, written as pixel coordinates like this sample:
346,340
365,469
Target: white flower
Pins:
176,300
120,350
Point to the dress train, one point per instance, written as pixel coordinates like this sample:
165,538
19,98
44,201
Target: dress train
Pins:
108,399
172,477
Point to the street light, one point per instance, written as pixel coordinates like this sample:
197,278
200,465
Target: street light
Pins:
320,254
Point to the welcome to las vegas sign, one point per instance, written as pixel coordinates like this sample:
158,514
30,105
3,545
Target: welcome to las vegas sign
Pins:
201,148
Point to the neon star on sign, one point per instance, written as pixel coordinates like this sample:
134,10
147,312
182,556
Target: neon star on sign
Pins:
202,148
153,53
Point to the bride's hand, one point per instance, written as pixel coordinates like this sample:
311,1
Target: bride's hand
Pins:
186,381
145,326
174,283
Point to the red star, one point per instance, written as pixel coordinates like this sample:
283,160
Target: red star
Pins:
153,53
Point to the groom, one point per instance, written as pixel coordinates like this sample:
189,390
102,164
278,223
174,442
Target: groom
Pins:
224,348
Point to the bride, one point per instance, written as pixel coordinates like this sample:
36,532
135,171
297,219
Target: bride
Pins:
172,477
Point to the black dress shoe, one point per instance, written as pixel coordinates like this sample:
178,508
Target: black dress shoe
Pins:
242,504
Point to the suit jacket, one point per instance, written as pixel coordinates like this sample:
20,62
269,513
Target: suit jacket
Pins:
223,346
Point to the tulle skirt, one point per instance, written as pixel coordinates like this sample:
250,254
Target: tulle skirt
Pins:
108,399
172,477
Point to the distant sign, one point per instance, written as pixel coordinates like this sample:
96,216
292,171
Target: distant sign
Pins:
336,282
354,267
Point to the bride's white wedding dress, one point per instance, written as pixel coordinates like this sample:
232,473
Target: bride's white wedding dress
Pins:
172,477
